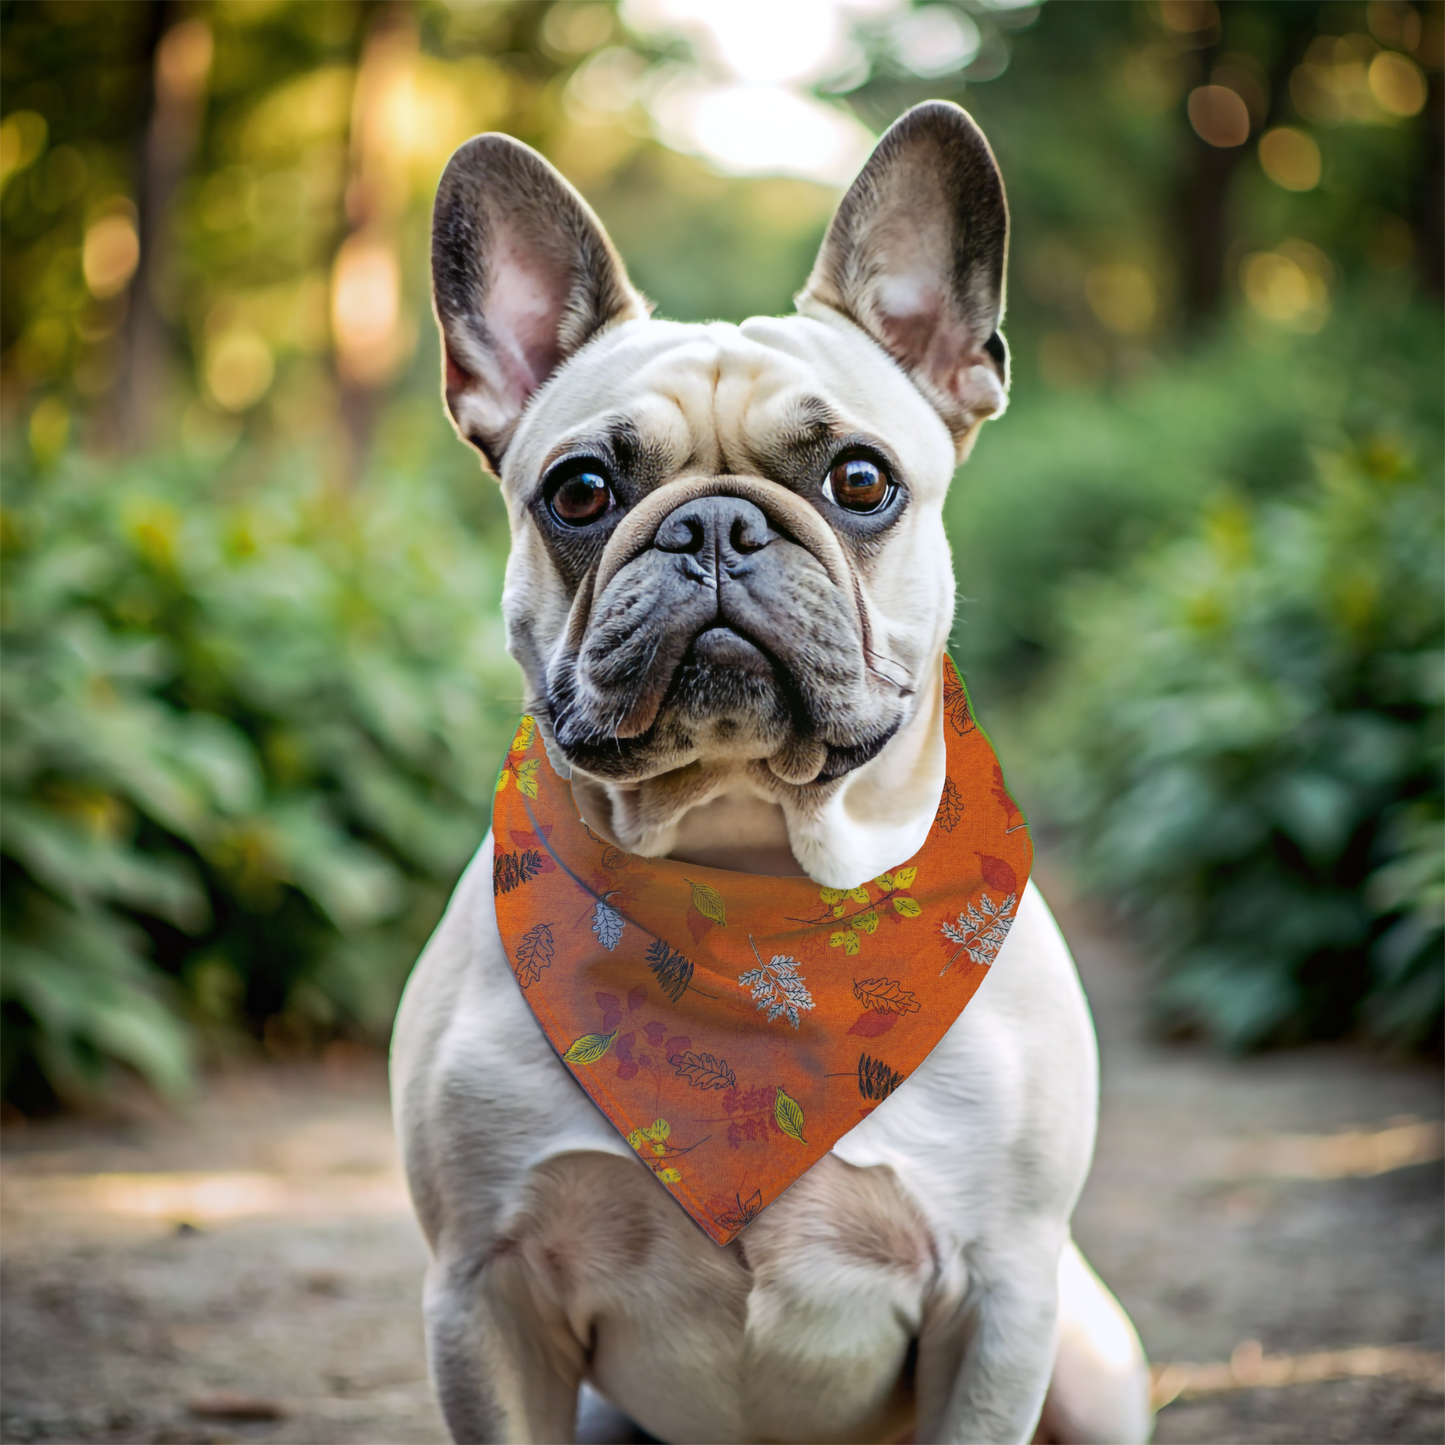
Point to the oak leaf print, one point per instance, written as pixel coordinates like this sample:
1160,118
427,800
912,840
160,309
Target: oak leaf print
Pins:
671,969
980,931
955,702
884,995
607,924
875,1079
777,987
534,953
789,1115
704,1071
589,1048
950,806
708,902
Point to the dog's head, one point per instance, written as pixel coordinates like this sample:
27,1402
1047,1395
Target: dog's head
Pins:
728,568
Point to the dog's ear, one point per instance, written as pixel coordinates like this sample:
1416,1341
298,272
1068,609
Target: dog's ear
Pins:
522,275
916,254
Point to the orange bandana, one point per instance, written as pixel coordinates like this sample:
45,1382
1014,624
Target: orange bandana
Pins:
733,1026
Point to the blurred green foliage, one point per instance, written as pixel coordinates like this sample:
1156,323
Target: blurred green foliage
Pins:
250,731
253,682
1246,748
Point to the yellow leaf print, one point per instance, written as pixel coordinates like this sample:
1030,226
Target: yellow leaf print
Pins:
867,921
908,907
858,895
669,1176
839,909
658,1129
845,939
503,778
589,1048
903,877
885,882
789,1114
659,1150
635,1138
708,902
831,896
526,731
527,778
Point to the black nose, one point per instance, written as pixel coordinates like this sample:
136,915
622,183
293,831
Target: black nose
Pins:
727,527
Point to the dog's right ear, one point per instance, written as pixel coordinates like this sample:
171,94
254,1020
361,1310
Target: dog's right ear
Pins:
522,276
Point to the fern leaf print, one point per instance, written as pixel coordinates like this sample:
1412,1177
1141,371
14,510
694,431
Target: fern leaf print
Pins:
607,924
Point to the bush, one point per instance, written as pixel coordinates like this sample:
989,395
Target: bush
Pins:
251,726
1245,749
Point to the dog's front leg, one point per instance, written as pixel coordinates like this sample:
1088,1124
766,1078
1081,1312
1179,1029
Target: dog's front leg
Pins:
505,1363
984,1365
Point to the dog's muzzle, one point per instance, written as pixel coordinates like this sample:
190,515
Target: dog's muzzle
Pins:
723,611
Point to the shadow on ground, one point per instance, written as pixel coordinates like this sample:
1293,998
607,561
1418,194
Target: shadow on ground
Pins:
251,1271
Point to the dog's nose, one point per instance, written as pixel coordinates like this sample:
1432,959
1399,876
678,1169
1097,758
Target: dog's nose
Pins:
715,525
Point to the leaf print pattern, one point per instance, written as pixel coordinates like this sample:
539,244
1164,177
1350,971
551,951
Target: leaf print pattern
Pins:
751,1115
534,953
980,931
955,702
777,987
884,995
589,1048
747,1210
704,1071
614,857
857,913
653,1142
875,1079
671,969
607,924
511,870
789,1115
950,806
708,902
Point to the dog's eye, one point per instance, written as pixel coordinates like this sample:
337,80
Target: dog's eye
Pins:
858,485
581,497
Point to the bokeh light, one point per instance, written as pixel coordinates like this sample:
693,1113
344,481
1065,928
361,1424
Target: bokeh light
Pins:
1290,158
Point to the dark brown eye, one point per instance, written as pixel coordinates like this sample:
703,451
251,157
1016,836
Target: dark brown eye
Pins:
581,498
858,485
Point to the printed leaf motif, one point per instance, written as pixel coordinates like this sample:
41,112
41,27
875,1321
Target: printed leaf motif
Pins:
875,1079
904,877
998,874
589,1048
526,731
669,1175
607,924
777,987
870,1024
868,922
527,778
511,870
703,1071
708,902
671,969
884,995
950,806
613,857
534,953
980,931
789,1114
845,939
831,896
955,702
885,882
908,907
748,1210
858,895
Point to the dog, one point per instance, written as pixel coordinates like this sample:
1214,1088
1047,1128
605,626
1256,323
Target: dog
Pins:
730,592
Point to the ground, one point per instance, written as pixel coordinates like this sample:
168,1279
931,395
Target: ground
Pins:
250,1270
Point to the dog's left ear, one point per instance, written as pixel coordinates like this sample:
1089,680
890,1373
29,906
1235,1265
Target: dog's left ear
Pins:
916,254
522,276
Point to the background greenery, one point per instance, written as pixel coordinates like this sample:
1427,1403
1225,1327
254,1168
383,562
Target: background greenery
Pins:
253,684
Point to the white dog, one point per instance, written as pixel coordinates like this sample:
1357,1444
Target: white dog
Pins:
920,1281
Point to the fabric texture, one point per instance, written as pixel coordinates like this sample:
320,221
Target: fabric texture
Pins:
734,1027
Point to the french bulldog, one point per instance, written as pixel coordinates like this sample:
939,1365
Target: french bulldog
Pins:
729,591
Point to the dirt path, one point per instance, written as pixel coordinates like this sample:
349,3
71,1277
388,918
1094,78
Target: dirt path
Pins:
164,1279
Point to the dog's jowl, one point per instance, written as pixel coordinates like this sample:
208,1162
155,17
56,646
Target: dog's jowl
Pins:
729,591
